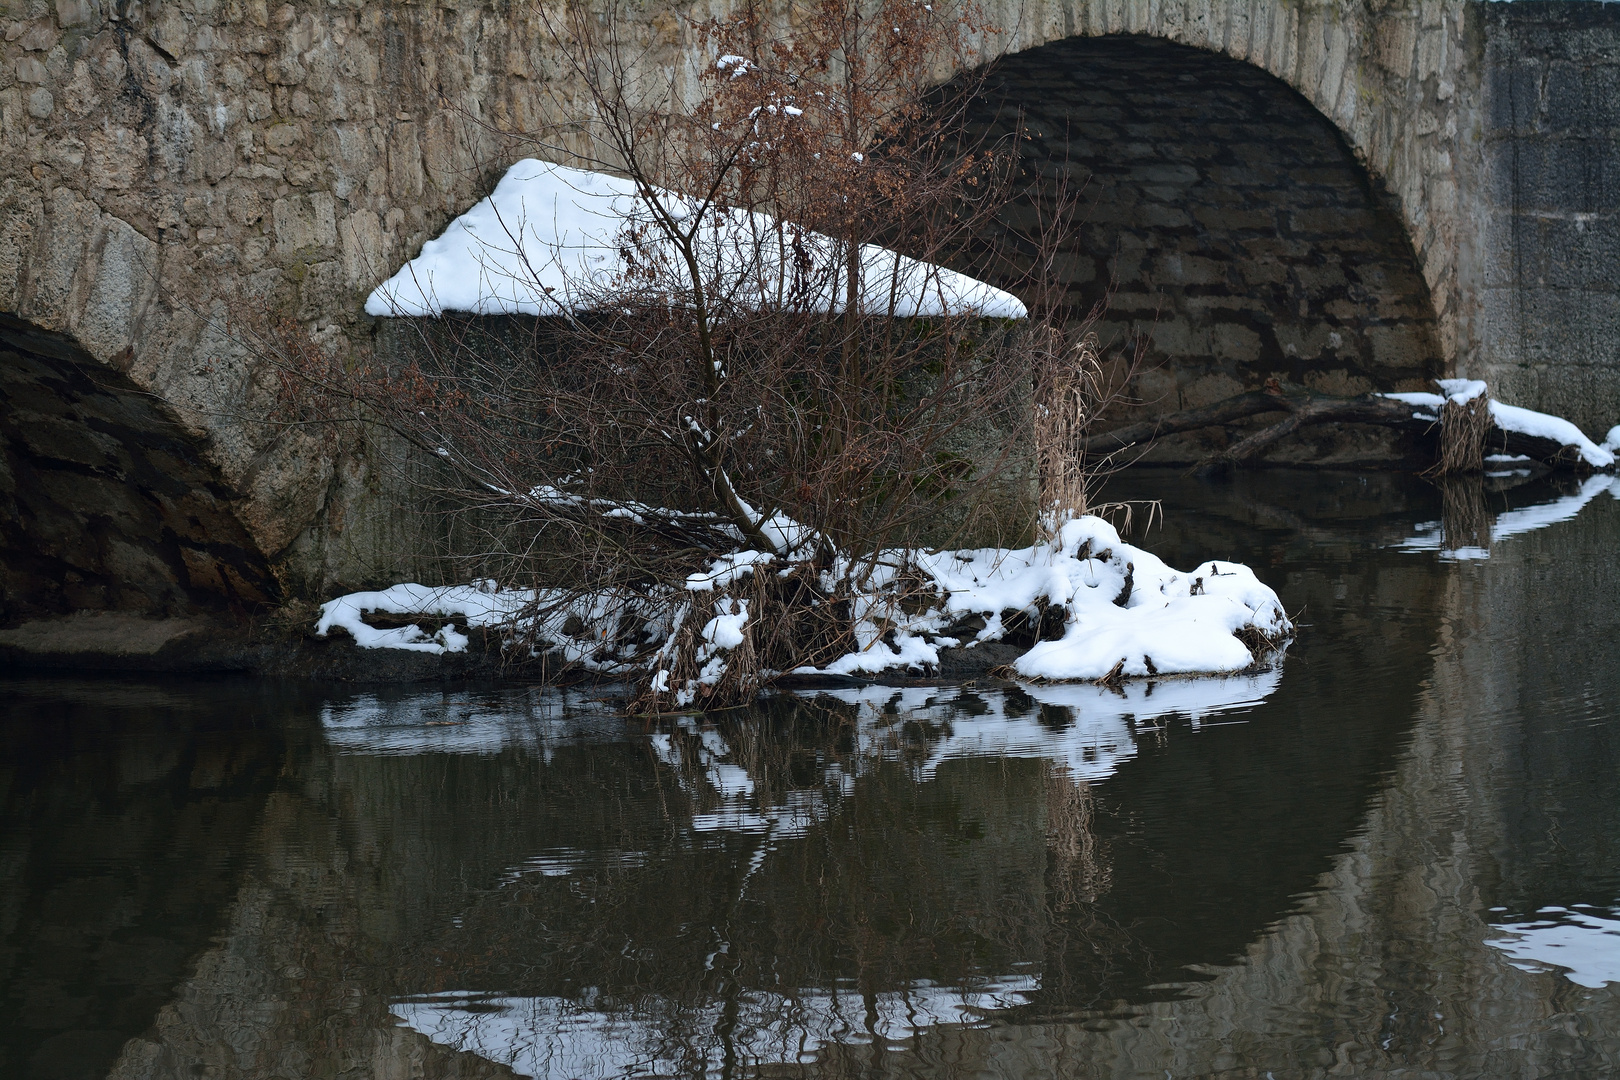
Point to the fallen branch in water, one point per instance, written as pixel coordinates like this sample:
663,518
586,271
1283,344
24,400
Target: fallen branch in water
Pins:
1305,408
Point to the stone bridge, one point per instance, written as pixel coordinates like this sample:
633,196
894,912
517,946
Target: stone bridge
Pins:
1350,193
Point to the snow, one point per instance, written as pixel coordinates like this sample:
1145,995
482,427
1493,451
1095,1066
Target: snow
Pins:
1584,943
728,569
1611,441
478,605
725,631
552,240
1123,608
1556,428
1461,391
1513,418
1125,613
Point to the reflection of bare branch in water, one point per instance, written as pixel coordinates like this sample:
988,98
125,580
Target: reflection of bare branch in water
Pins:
1076,871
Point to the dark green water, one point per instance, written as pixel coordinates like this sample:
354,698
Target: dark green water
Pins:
1306,873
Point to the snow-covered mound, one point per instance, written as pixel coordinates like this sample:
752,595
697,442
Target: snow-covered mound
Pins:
1513,418
1123,613
551,240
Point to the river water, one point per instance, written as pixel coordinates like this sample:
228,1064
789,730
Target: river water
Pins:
1398,855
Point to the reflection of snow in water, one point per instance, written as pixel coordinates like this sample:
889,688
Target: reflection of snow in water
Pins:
465,722
1584,944
1431,536
1089,729
546,1037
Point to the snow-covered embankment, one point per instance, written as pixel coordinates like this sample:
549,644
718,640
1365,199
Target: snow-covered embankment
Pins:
1108,610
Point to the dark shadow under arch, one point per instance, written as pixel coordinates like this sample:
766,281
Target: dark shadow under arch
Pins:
106,503
1225,218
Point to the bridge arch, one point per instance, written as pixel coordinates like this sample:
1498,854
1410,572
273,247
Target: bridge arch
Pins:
1225,223
107,503
1398,79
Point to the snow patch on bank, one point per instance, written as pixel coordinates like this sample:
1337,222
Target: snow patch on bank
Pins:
1111,610
1124,612
1513,418
551,240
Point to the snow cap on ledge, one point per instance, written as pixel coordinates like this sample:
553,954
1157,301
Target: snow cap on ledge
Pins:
551,240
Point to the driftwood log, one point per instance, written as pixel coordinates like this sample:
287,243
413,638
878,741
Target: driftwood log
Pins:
1304,408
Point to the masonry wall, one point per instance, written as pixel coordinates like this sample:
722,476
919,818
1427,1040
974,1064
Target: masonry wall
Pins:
178,175
1221,222
1549,275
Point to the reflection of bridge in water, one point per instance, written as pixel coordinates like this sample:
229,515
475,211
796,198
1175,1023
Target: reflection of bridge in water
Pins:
564,864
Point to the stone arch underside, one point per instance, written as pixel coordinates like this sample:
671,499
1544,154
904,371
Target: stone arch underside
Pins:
106,502
1226,222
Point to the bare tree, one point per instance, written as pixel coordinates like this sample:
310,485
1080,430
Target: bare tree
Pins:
760,380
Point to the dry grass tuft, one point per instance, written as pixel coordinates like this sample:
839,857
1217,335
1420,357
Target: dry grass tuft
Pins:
1067,382
1464,427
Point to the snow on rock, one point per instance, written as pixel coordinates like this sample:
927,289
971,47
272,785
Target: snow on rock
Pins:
479,605
1125,612
1513,418
583,630
552,240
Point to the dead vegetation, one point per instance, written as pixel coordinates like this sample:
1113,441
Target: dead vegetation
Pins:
671,418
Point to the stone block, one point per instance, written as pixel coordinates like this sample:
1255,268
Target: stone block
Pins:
1236,343
77,12
1581,99
125,280
365,249
284,71
1513,95
405,177
170,31
1401,347
28,69
1555,175
305,222
278,138
1177,269
1208,389
322,291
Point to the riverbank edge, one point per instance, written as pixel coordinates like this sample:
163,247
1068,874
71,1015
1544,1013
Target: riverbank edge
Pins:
114,643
